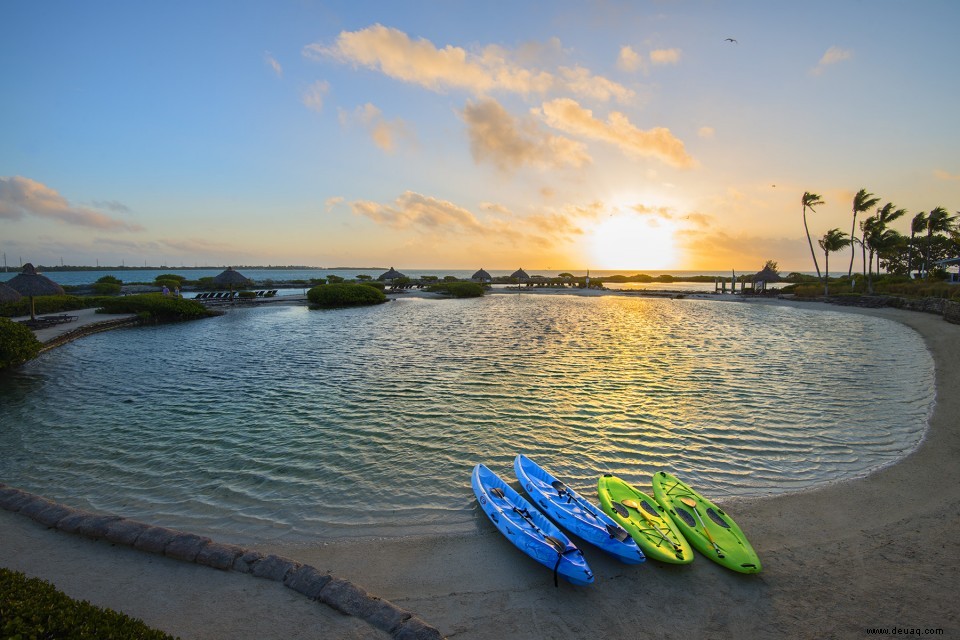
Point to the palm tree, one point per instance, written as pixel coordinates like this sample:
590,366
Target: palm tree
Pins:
917,225
809,201
938,221
832,241
862,202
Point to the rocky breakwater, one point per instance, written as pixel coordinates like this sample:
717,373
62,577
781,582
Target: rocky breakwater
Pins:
317,585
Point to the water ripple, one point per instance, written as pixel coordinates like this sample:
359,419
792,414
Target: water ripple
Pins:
285,423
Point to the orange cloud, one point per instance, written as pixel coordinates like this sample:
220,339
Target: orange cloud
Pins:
384,133
21,196
510,142
568,116
665,56
832,56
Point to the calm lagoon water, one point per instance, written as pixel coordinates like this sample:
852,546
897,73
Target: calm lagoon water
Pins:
283,423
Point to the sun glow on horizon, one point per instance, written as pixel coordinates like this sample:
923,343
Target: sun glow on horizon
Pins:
626,241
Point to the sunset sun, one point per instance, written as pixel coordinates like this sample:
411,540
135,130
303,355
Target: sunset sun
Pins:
626,241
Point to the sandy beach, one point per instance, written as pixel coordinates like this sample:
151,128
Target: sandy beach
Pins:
876,552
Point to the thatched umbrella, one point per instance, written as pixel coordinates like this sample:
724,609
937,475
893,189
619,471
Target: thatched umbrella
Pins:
229,277
30,283
481,276
393,274
7,294
520,275
767,275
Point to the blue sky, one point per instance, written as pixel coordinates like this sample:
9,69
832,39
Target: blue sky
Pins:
563,135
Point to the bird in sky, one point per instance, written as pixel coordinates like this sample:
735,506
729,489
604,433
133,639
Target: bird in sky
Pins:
731,40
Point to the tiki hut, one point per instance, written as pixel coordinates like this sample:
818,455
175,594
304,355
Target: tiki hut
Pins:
520,275
393,274
228,278
763,278
481,276
7,294
32,284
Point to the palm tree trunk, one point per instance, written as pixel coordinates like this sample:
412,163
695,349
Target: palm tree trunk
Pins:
826,274
813,253
853,248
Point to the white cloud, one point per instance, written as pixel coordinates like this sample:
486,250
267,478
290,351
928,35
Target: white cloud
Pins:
665,56
386,134
706,132
491,68
412,209
944,175
832,56
330,203
568,116
314,95
20,197
629,60
273,64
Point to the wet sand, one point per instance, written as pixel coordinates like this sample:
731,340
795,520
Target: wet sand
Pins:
880,551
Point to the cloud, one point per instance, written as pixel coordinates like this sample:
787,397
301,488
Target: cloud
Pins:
943,175
385,134
314,94
510,142
665,56
415,210
330,203
492,68
273,64
112,205
832,56
568,116
582,82
20,197
496,209
629,60
706,132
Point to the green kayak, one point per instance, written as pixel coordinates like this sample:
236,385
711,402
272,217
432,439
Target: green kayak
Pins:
645,520
711,531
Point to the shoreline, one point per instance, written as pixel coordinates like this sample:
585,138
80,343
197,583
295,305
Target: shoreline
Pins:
876,551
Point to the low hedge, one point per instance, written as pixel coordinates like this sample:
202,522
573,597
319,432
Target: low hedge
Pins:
345,294
458,289
47,304
17,344
34,609
156,306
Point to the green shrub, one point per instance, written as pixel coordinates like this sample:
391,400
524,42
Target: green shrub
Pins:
206,282
332,279
17,344
247,295
458,289
156,306
170,276
376,284
109,280
169,284
106,288
31,608
345,294
44,305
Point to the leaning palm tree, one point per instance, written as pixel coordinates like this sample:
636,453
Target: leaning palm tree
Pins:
833,240
862,202
809,201
938,221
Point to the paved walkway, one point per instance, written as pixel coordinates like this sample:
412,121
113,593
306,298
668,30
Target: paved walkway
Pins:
85,318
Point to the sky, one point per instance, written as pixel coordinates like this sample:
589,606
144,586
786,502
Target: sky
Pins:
447,134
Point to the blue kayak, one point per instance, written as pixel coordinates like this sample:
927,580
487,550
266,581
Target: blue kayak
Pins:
574,513
528,529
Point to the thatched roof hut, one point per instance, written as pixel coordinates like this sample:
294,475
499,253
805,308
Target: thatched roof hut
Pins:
520,275
31,284
481,276
393,274
7,294
229,277
767,275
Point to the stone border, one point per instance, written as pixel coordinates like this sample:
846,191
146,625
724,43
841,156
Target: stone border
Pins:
88,330
337,593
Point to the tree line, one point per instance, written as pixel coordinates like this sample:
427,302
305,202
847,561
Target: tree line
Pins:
934,236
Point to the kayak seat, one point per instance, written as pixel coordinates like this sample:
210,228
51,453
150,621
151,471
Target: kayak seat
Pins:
686,517
716,518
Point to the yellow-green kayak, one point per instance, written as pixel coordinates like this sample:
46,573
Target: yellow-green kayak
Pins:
644,519
711,531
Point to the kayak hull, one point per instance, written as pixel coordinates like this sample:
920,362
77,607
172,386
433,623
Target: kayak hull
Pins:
708,528
528,529
572,512
648,523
